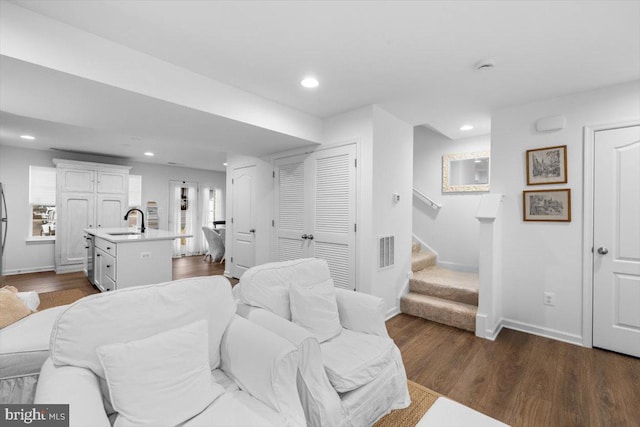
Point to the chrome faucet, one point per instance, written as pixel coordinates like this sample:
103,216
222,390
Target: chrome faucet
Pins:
141,213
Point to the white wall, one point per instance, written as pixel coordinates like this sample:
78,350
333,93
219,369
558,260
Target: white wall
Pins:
539,257
392,174
452,231
21,256
385,149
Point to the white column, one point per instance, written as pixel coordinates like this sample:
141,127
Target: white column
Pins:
489,316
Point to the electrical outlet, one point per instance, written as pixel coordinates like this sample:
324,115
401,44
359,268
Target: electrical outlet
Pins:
550,299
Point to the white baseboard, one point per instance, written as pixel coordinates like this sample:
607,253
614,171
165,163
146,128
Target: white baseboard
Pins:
543,332
424,245
458,267
69,268
484,331
29,270
392,312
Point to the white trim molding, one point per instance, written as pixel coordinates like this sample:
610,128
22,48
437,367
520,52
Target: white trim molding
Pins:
29,270
541,331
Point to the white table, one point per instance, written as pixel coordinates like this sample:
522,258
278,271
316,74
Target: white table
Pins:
447,413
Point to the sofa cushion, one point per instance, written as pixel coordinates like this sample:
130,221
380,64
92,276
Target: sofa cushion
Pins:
314,307
31,333
267,285
138,312
160,380
12,308
354,359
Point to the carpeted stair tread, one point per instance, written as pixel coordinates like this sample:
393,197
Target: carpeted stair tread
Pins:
422,260
415,247
456,314
447,284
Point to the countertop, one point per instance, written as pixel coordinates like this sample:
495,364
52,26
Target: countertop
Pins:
148,235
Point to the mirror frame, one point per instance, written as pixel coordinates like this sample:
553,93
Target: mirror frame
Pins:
446,161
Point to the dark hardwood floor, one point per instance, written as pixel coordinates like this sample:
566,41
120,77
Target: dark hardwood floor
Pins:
520,379
49,281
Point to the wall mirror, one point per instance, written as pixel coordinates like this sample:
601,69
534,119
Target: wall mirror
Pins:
465,172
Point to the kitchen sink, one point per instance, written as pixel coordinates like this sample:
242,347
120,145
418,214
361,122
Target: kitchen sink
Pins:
124,233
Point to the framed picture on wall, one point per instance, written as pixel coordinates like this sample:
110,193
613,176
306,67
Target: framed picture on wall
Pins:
547,205
547,165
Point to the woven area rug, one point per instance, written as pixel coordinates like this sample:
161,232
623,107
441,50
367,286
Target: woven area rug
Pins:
421,400
54,299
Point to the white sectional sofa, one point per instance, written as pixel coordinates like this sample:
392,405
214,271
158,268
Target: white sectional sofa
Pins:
121,358
24,346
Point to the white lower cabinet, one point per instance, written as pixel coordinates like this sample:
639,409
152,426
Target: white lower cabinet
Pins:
122,265
105,266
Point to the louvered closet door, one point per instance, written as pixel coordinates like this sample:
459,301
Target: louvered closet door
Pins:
291,213
333,212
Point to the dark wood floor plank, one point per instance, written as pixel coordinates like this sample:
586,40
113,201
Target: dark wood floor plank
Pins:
522,379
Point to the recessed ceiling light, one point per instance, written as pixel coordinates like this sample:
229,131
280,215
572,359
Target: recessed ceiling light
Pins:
224,164
466,127
310,82
149,154
29,137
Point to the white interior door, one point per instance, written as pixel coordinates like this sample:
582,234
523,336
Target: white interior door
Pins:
316,210
243,219
291,219
616,235
333,212
78,213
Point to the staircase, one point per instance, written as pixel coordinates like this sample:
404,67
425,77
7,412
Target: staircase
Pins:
441,295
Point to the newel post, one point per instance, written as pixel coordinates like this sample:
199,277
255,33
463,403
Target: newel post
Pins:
489,316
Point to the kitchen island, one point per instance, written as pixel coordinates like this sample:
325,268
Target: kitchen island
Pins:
119,258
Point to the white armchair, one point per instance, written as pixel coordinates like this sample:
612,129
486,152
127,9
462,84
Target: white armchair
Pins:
254,369
352,379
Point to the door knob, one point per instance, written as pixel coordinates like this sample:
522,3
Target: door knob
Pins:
304,236
310,237
253,230
603,251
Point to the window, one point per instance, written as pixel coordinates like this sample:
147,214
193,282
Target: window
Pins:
213,206
135,199
42,202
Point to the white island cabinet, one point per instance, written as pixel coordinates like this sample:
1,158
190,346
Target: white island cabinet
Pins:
123,257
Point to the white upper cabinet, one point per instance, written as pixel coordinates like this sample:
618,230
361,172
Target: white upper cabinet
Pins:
112,182
73,180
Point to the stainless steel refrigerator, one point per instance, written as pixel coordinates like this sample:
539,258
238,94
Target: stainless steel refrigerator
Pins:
3,224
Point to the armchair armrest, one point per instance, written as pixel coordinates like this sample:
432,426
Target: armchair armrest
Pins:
30,299
78,387
263,364
321,403
361,312
288,330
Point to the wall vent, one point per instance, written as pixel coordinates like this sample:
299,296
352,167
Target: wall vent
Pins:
386,250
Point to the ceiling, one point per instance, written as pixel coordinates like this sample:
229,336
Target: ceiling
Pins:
75,114
417,59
